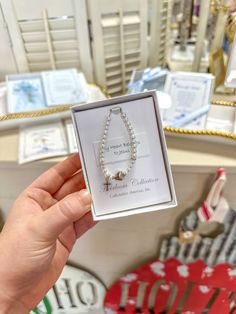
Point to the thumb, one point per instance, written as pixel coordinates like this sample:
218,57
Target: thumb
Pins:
68,210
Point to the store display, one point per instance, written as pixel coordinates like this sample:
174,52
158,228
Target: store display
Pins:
37,91
49,114
122,146
42,135
149,185
182,35
121,142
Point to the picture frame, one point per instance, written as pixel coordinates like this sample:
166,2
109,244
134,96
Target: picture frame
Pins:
191,95
40,141
217,66
25,93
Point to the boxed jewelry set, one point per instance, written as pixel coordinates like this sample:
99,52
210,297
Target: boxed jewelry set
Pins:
123,154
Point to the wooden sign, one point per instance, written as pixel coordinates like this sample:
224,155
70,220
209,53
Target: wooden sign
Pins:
76,291
172,287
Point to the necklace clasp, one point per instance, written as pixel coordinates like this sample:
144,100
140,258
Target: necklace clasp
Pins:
116,110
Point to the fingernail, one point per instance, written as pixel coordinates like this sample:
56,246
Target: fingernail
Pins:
88,207
86,197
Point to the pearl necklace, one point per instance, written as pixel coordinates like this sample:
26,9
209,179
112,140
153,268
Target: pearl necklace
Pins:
119,174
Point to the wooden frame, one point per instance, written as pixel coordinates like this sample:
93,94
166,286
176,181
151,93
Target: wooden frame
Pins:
217,66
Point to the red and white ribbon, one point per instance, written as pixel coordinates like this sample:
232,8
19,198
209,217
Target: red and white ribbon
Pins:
213,203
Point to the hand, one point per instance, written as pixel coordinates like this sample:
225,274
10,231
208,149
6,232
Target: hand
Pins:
42,227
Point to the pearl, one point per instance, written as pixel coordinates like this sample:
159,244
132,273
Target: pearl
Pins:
119,175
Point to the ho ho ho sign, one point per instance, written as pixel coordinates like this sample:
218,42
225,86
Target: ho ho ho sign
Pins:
174,288
75,292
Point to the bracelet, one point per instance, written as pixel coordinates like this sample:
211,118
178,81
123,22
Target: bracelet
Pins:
119,174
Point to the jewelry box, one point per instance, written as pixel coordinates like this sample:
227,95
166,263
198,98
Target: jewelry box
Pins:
123,154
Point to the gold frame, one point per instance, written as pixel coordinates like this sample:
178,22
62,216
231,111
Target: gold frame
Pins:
217,56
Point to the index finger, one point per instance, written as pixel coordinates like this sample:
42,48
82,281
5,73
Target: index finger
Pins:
54,178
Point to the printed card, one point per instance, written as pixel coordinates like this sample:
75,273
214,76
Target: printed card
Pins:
189,92
64,87
42,141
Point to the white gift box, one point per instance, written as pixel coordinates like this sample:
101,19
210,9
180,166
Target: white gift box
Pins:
149,185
